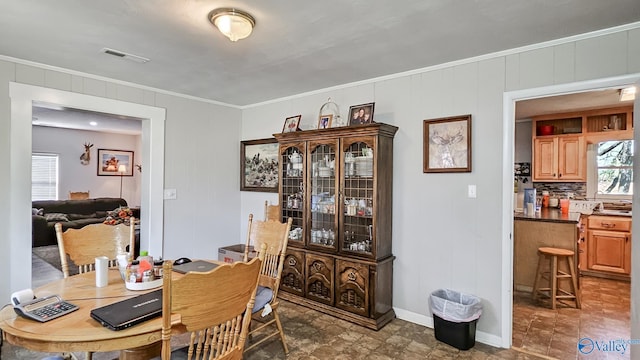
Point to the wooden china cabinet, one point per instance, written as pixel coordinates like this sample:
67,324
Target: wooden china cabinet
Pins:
336,184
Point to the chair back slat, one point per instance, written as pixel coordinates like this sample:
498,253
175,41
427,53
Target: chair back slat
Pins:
271,212
83,245
78,195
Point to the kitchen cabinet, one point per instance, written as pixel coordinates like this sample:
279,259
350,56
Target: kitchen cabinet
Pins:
609,245
559,140
336,184
559,158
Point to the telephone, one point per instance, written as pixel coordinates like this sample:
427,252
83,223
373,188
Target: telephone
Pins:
42,309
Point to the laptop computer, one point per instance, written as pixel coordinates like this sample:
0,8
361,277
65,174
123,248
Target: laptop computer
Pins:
129,312
197,265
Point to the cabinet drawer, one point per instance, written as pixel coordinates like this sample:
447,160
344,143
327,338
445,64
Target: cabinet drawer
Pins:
612,223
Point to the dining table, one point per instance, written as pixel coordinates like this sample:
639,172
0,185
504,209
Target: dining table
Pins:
77,331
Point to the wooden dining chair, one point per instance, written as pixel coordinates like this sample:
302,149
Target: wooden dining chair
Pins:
275,236
214,306
271,212
78,195
83,245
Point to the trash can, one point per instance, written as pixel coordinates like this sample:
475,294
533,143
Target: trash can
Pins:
455,315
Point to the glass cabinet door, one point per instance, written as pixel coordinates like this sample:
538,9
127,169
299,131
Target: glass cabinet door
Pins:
357,198
292,191
323,232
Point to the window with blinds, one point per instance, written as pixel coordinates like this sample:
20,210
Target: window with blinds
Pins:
44,176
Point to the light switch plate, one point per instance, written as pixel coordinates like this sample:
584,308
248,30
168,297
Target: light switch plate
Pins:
170,194
471,192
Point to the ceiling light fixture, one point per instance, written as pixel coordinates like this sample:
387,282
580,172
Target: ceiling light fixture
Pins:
233,23
628,93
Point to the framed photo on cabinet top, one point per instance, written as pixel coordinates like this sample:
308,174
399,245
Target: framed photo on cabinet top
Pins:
291,124
115,162
259,165
361,114
325,121
447,144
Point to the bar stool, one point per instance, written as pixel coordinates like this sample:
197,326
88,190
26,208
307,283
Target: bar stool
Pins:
554,274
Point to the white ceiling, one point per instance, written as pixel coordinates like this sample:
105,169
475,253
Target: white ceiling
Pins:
52,115
296,46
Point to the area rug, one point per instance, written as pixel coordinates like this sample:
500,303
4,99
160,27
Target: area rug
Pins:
51,255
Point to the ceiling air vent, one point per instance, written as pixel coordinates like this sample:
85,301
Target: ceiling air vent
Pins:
124,55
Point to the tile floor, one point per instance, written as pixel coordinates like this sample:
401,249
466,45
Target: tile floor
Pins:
605,315
539,333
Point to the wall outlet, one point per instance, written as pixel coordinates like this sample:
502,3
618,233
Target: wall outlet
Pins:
170,194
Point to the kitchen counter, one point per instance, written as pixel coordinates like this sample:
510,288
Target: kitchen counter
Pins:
549,215
606,212
548,228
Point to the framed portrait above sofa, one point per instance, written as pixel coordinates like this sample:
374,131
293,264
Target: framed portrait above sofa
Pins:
115,162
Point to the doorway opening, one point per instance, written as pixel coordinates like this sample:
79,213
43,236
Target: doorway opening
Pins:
22,99
510,100
604,295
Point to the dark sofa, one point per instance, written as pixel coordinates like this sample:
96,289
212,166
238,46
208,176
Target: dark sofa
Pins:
73,214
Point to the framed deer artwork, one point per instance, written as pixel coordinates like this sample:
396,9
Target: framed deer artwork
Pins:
447,144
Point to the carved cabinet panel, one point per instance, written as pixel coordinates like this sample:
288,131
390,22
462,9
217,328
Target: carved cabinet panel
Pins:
292,279
352,287
320,278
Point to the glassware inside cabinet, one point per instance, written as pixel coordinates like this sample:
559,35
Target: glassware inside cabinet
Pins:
358,199
292,195
323,197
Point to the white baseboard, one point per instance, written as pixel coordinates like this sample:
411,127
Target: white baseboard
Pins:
481,336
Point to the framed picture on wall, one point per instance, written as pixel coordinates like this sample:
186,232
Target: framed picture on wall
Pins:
115,162
259,165
447,145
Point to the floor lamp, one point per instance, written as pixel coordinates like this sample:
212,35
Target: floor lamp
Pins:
121,169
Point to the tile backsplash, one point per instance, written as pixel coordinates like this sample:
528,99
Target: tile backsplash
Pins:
560,190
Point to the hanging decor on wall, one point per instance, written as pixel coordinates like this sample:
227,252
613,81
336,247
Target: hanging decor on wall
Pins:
86,155
447,144
259,165
110,162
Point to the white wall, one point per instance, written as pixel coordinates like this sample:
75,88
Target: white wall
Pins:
442,239
523,142
74,176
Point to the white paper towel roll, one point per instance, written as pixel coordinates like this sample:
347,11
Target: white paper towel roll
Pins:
102,267
530,209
